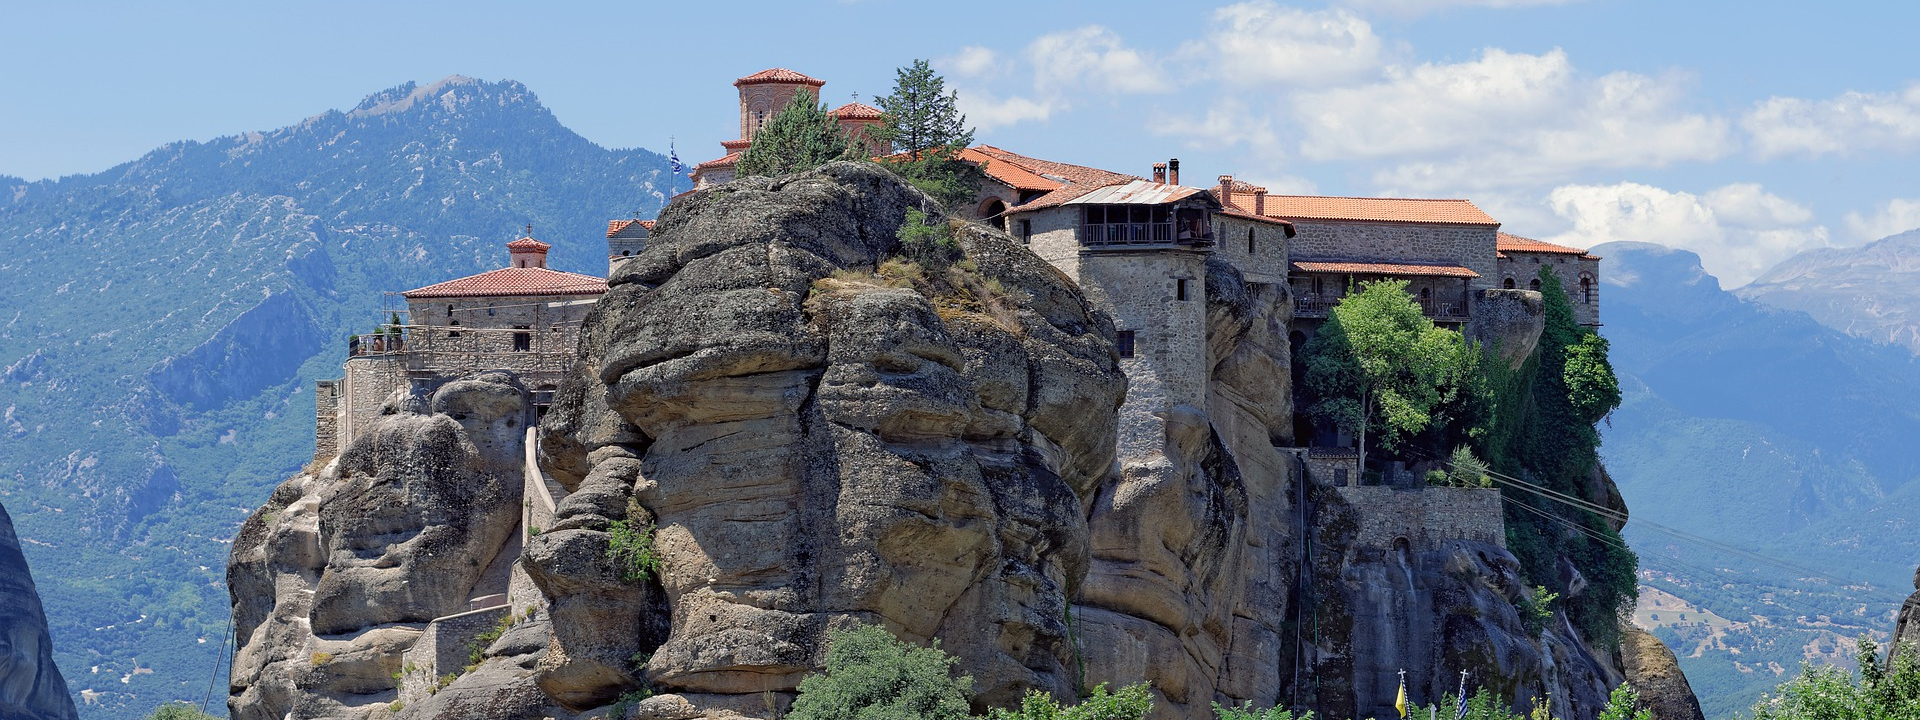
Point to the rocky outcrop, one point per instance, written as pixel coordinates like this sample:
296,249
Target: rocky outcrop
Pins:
818,445
1509,322
805,431
31,687
1906,627
1655,674
333,580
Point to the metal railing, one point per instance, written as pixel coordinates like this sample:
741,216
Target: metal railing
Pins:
1310,305
1127,233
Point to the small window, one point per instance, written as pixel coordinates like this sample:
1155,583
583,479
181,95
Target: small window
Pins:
1508,284
1123,341
1536,260
1340,477
453,333
1180,288
449,310
1535,285
489,311
1249,241
1026,232
522,341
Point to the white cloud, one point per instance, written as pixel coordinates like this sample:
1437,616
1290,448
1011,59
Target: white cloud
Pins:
1092,58
1850,123
1422,7
1893,217
1739,230
1261,43
985,111
1228,123
1505,120
973,61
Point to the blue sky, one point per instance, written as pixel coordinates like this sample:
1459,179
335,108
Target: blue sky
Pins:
1746,131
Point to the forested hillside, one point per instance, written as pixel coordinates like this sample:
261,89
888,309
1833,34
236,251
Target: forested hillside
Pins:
166,319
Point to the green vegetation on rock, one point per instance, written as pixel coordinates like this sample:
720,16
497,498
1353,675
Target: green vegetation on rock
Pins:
801,137
1884,689
873,676
925,127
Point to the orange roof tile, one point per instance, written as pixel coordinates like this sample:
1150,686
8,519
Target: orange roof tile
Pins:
615,226
1073,180
732,145
515,281
1514,243
529,244
731,159
857,111
1360,268
1392,210
778,75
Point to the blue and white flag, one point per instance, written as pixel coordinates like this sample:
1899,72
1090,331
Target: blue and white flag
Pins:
1461,712
673,159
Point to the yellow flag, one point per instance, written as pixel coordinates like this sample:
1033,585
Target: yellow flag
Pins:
1400,703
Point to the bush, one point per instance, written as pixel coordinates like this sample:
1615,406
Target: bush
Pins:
1246,712
1133,702
179,711
1889,691
1536,608
928,243
873,676
631,545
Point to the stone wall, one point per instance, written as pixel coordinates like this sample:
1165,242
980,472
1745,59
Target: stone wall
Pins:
1524,267
442,649
1140,290
367,382
1267,261
326,420
486,336
1468,246
1425,516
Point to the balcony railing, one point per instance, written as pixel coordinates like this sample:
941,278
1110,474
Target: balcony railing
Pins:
1126,233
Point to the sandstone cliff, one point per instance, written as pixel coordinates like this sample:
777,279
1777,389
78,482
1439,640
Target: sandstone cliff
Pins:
30,685
817,435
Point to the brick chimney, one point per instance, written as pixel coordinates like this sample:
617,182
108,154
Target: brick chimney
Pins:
1259,201
1226,191
1160,173
1173,171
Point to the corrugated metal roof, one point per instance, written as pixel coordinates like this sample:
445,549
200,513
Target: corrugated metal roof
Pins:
1137,192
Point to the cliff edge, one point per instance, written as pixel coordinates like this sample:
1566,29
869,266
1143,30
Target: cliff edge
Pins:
31,687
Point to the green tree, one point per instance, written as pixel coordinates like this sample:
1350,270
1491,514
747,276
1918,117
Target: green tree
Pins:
802,136
1621,704
1133,702
1821,692
925,127
873,676
179,711
1379,366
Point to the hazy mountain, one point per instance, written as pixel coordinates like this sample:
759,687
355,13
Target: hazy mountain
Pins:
1762,429
1871,291
164,321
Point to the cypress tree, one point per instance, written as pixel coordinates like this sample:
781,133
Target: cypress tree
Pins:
925,126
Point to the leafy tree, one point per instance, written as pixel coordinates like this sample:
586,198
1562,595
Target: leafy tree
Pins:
1379,365
873,676
1621,704
1821,692
1133,702
1592,389
924,125
802,136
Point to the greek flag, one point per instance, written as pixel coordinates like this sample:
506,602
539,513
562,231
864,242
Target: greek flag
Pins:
1461,712
673,159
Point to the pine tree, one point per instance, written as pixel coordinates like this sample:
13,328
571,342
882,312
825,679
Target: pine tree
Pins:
921,113
925,126
802,136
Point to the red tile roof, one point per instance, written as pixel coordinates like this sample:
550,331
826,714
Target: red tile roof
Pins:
1009,174
732,145
527,244
615,226
857,111
731,159
1360,268
1505,243
778,75
515,281
1391,210
1073,180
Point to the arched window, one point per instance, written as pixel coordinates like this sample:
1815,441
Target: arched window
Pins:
1586,289
1508,284
1534,285
1249,241
994,211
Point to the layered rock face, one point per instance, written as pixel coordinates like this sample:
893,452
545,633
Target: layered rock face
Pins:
817,448
31,687
333,580
810,433
1654,672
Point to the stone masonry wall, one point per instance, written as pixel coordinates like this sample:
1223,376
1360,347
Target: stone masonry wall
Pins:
1140,290
326,420
1523,267
1426,516
1267,263
442,649
1468,246
367,382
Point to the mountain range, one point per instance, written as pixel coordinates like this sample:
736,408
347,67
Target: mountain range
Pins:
1785,441
165,320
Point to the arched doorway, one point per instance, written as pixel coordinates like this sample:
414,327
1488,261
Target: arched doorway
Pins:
1508,284
993,211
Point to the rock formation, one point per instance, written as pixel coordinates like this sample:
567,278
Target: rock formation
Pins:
30,685
1906,627
1655,674
812,432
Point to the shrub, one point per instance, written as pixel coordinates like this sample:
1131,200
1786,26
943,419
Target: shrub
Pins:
1889,691
179,711
1536,608
631,545
1246,712
928,243
873,676
321,658
1133,702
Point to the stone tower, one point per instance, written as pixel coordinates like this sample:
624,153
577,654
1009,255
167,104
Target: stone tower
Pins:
762,94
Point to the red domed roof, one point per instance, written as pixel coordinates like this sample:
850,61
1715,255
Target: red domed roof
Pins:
778,75
527,244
